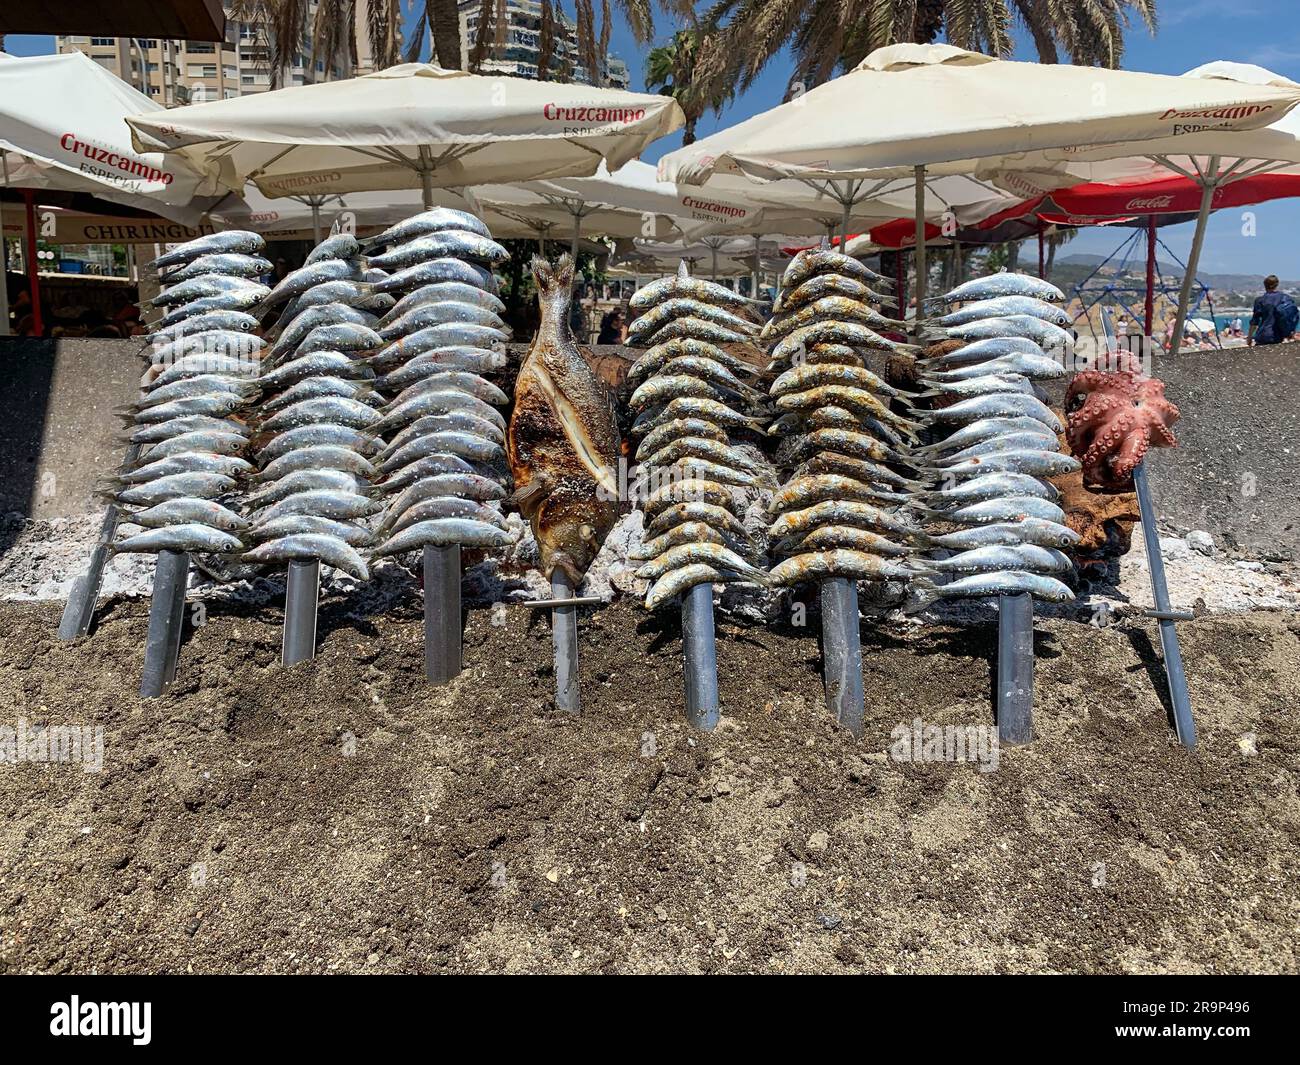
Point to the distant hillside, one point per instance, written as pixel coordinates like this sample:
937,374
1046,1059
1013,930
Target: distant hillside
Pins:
1073,268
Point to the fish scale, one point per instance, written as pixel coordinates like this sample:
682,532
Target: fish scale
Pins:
692,395
988,470
838,428
200,384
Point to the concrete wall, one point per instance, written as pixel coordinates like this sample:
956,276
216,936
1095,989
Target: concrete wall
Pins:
1236,473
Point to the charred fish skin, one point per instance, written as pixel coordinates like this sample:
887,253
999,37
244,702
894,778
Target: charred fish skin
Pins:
562,445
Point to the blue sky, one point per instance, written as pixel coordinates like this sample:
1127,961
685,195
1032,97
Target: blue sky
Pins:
1191,32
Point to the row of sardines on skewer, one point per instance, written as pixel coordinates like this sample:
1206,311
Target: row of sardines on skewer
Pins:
359,425
943,488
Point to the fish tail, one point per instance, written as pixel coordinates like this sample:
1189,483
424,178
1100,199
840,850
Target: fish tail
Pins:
923,593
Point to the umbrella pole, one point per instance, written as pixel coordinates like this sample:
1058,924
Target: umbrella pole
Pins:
1149,309
577,233
564,638
426,177
4,268
700,655
162,643
844,227
442,631
1208,185
314,203
1042,269
714,249
1184,724
758,265
842,652
301,596
920,248
33,277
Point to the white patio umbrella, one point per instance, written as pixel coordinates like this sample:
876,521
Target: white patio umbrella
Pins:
918,111
415,125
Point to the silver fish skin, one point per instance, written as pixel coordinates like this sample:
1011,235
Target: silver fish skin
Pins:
306,277
691,288
1035,463
332,313
242,300
464,445
683,307
708,370
318,457
1000,510
856,445
697,428
823,285
203,286
323,502
850,537
213,441
440,360
986,385
1045,440
1047,336
195,423
977,432
435,220
693,328
440,402
1028,531
330,550
1001,405
211,404
349,337
681,580
311,525
979,351
175,486
469,383
187,462
230,264
710,554
850,333
711,450
684,407
711,514
690,467
237,241
433,271
447,243
443,532
451,421
662,389
689,532
305,481
988,486
336,410
198,385
214,319
242,347
447,507
814,261
813,375
440,464
1001,306
449,334
444,292
188,536
184,511
350,293
1029,558
322,363
1033,367
858,469
337,246
316,387
204,364
838,562
462,486
829,308
307,436
980,585
439,314
801,492
659,355
1002,284
838,512
688,490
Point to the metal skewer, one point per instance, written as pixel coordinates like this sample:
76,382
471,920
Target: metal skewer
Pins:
842,652
564,637
1015,708
700,655
301,598
166,617
442,624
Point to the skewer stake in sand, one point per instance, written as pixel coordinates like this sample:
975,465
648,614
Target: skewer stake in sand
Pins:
564,637
442,626
162,643
700,654
79,611
1015,707
1179,696
842,652
301,598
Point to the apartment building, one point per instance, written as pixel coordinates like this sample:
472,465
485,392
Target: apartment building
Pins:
516,50
180,72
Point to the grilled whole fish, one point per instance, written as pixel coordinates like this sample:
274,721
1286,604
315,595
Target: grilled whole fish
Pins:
692,288
813,261
1003,284
562,444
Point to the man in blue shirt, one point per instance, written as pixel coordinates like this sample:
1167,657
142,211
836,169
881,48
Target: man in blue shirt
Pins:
1274,317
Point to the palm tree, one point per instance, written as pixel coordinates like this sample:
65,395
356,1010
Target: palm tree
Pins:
671,68
281,25
443,21
828,34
